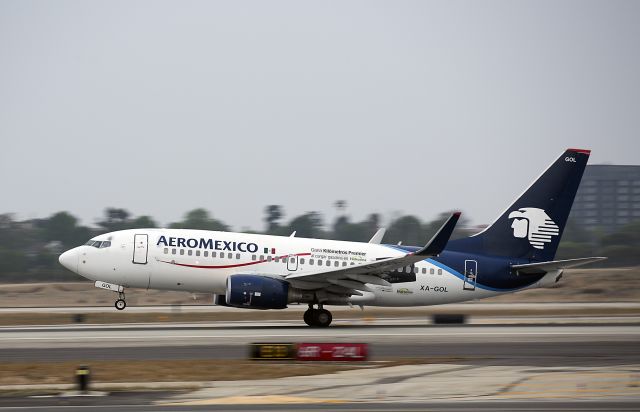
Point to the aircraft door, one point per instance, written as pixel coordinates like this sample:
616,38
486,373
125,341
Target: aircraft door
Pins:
470,274
292,263
140,248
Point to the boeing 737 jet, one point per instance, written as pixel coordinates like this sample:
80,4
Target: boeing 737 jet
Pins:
250,271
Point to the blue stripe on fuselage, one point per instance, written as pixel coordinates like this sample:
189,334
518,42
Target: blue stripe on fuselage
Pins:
494,273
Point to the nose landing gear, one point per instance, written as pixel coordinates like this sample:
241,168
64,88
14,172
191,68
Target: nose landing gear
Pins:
121,303
319,318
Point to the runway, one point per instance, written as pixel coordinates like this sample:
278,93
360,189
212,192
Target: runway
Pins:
592,353
519,344
468,307
490,367
220,333
138,403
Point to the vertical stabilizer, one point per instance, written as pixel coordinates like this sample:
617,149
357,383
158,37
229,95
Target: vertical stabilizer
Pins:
532,226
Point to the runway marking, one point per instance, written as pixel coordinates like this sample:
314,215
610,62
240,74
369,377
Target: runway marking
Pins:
330,335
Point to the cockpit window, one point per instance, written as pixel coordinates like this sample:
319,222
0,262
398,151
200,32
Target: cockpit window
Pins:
98,244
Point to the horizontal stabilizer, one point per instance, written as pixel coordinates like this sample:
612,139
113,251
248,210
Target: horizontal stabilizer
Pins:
543,267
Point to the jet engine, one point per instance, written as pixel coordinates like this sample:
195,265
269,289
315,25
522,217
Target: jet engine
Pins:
256,292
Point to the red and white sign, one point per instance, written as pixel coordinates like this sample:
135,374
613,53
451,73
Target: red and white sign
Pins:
332,352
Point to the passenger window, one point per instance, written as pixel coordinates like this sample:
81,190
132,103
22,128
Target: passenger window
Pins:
197,253
253,257
319,262
213,254
182,251
424,271
277,259
230,255
336,264
166,250
292,260
344,263
311,261
189,252
328,263
261,257
431,272
302,261
268,258
205,253
439,271
237,255
173,251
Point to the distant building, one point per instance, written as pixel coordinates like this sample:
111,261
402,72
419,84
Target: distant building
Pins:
608,197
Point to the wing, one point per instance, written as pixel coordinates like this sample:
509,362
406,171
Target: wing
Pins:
545,267
349,280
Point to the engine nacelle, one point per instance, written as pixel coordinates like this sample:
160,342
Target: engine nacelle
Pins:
256,292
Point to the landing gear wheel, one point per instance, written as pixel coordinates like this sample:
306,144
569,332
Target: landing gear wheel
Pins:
319,318
120,304
308,316
322,318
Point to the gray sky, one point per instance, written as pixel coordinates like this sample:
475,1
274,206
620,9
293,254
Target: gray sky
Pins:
419,107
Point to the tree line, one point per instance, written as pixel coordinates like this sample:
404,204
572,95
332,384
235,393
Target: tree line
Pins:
29,249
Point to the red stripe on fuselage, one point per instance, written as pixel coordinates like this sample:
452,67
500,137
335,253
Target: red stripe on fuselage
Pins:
237,265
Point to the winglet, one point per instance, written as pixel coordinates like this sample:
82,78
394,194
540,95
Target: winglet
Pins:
438,242
377,238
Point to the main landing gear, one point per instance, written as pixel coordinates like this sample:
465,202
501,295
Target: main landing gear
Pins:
120,303
319,318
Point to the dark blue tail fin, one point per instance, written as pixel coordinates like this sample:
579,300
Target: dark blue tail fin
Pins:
532,226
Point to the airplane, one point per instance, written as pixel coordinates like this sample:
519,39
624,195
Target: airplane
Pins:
253,271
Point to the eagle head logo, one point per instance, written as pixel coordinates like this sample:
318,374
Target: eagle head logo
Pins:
535,225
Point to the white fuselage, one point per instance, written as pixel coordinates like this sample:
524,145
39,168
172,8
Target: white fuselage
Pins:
201,261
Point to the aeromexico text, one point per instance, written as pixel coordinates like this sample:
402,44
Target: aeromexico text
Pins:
203,243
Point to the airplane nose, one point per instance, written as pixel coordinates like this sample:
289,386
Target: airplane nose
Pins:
69,259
